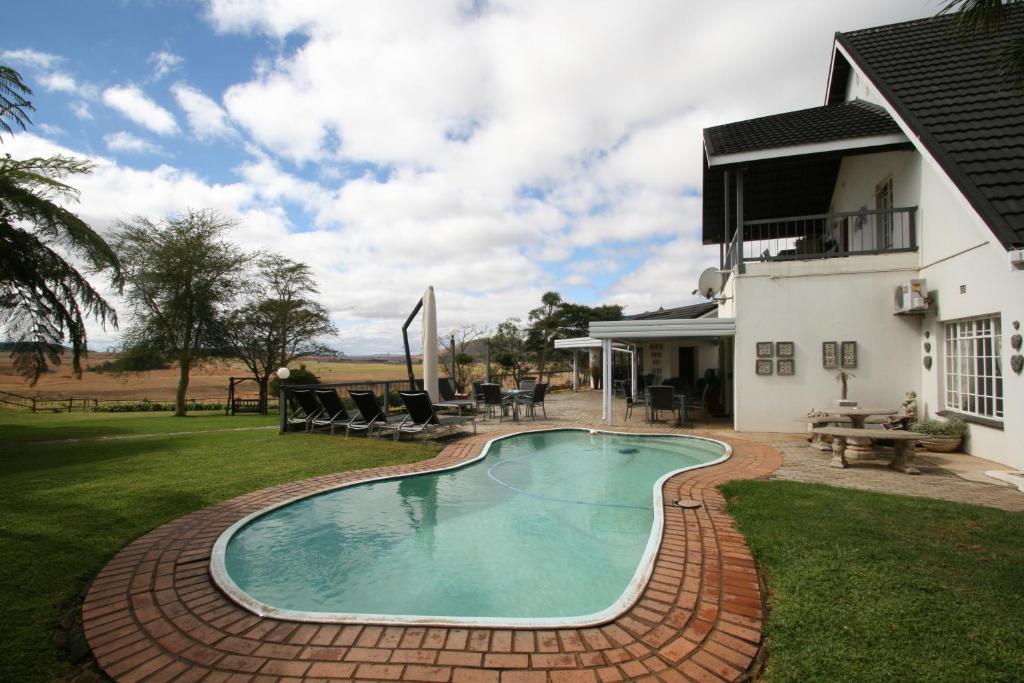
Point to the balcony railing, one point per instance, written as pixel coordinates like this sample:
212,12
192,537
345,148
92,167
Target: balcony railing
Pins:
820,236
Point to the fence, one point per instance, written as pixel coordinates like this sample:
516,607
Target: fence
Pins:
37,404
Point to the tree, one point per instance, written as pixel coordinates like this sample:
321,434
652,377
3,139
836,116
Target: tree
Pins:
986,16
277,322
545,325
508,349
465,362
181,276
44,299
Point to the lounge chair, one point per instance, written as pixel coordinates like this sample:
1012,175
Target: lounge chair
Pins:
334,413
447,394
305,408
532,400
371,415
423,419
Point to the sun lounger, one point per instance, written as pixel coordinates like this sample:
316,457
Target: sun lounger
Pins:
423,419
334,414
371,415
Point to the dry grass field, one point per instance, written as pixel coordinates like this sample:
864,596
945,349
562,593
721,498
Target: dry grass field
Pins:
207,382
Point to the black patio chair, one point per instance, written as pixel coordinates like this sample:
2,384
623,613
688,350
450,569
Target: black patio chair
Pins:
423,419
478,394
531,401
631,400
305,408
493,398
334,413
371,415
659,398
447,394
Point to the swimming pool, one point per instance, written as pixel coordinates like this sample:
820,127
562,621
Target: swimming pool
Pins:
553,527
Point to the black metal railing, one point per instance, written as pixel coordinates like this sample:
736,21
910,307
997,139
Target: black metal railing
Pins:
820,236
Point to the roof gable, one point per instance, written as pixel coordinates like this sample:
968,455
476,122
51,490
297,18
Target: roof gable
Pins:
949,90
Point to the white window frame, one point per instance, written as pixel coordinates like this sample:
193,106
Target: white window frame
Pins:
972,367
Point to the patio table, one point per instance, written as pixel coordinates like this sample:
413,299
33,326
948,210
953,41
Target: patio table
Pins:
860,448
903,460
514,394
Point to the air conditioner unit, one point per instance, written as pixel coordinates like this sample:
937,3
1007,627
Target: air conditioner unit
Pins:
910,297
1016,258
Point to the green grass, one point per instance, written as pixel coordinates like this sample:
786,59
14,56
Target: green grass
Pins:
66,509
874,587
20,426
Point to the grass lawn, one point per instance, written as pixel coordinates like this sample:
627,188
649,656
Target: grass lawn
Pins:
20,426
66,509
874,587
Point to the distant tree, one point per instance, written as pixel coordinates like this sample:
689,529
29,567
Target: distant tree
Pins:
278,321
44,299
509,349
986,16
556,318
465,362
545,325
181,277
299,375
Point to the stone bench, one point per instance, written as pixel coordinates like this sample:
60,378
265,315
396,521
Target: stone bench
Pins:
903,459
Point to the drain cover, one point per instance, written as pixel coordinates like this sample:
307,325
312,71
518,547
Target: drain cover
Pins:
628,451
688,504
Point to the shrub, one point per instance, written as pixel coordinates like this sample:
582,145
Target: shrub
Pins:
299,375
954,427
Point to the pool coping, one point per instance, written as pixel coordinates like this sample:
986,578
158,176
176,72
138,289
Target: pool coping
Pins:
632,592
153,613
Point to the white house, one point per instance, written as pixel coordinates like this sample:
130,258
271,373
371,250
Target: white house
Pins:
912,170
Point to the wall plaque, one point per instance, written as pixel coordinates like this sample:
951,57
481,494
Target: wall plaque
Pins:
830,355
848,355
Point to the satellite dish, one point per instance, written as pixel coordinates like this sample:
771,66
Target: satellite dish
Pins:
710,283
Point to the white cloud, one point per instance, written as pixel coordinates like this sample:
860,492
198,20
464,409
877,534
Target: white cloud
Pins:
31,58
164,62
206,118
58,81
123,141
81,110
133,103
51,129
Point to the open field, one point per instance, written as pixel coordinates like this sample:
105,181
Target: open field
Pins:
207,382
67,508
875,587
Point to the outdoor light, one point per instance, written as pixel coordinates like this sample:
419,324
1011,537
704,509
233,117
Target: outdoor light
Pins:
284,373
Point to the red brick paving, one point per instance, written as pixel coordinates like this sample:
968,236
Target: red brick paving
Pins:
152,613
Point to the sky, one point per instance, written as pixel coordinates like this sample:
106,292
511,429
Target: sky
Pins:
493,150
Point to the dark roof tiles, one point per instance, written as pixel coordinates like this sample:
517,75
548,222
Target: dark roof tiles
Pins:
808,126
691,311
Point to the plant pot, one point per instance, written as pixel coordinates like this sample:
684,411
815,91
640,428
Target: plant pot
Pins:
941,444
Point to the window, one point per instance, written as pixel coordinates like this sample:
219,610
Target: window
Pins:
973,367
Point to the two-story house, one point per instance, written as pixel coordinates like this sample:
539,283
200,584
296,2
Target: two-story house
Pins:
878,234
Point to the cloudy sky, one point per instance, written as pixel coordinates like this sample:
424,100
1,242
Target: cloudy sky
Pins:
495,150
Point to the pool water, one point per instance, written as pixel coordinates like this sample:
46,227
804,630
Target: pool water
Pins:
547,525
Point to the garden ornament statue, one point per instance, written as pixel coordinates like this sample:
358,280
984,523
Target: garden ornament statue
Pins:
906,415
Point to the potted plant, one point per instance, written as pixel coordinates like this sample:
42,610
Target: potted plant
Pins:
944,436
843,377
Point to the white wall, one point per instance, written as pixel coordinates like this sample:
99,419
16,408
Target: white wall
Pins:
810,302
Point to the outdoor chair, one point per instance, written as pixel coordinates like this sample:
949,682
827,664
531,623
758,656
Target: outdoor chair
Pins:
334,413
305,408
701,403
493,399
631,400
527,384
447,393
659,398
478,394
371,415
423,419
531,401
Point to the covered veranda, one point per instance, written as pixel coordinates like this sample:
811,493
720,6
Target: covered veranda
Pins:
631,335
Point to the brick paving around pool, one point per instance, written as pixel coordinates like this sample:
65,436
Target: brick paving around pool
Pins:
153,614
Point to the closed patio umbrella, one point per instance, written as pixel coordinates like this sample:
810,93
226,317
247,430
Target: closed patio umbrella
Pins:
430,345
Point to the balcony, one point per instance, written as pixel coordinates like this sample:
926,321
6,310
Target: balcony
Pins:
823,236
